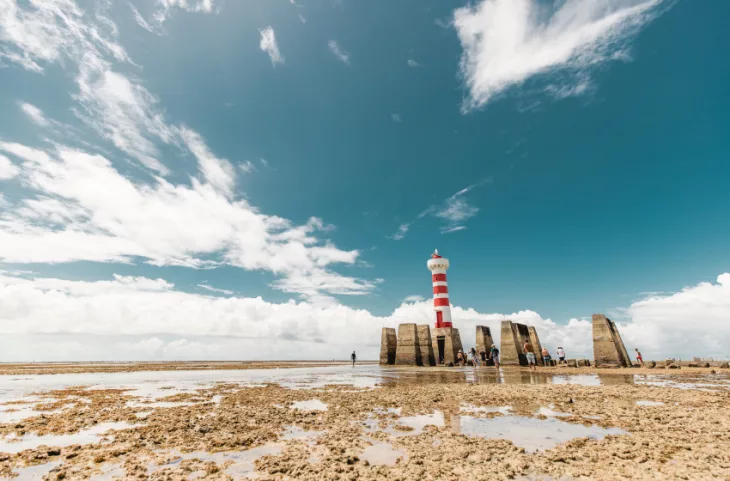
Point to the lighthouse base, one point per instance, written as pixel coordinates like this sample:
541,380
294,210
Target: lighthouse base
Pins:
446,344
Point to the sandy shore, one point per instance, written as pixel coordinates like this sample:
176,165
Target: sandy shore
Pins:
469,430
81,367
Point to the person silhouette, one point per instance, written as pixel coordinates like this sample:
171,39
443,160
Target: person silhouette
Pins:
354,358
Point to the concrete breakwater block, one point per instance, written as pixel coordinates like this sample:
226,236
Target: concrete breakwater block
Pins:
408,352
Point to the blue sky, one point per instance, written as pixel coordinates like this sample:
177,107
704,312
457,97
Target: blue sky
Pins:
280,171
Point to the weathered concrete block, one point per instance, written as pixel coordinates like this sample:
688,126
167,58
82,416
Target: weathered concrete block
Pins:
582,362
484,341
536,346
424,341
446,343
388,346
724,365
572,362
408,352
608,348
514,336
650,364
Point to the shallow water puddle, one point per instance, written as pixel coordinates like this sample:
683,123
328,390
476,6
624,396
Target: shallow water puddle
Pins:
35,473
109,472
310,405
382,454
88,436
470,408
243,461
532,434
649,403
293,432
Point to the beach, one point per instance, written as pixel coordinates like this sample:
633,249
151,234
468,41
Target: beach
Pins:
317,421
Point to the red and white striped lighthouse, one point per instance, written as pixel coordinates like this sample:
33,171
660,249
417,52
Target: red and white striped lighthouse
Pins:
438,266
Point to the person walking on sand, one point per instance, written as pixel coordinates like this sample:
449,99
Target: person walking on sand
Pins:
561,356
546,357
494,356
474,357
354,358
528,352
639,358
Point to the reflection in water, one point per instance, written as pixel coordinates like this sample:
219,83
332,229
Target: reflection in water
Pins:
532,434
492,376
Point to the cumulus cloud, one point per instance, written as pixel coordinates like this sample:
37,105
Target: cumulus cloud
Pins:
505,42
340,54
149,318
269,46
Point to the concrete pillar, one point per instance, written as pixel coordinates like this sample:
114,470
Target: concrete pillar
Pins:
608,348
388,346
536,346
424,342
484,339
408,352
451,344
511,349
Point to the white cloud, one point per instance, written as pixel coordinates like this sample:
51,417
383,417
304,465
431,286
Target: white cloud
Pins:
455,210
402,231
414,298
302,19
396,117
246,166
35,114
692,322
142,22
507,41
8,170
688,323
341,55
216,290
412,63
269,46
72,218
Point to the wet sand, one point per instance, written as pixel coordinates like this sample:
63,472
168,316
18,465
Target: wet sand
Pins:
337,422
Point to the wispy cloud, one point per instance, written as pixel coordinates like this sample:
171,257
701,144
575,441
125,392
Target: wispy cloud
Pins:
268,44
414,298
8,170
505,42
302,18
61,214
246,166
412,63
35,114
216,290
396,117
401,232
454,210
341,55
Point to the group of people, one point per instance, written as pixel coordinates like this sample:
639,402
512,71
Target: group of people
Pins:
476,359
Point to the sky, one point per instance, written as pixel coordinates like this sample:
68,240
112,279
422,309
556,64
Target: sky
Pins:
266,179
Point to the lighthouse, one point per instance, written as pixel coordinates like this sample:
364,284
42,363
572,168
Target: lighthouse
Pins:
417,345
438,266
